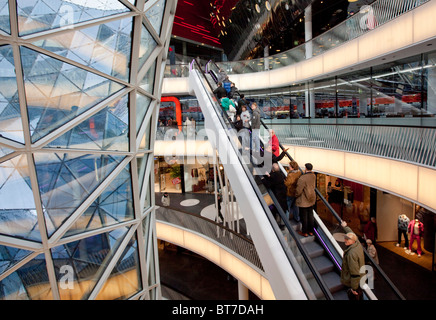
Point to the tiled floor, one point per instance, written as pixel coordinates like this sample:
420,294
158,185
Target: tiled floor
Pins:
202,280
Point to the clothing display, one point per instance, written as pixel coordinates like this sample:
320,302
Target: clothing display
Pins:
416,230
403,224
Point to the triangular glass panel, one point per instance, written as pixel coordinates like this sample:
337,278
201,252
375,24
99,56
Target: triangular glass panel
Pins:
125,279
155,15
114,205
66,180
105,47
5,24
142,105
5,151
84,260
56,91
141,165
108,129
30,282
39,15
11,126
145,141
10,256
18,217
146,46
147,83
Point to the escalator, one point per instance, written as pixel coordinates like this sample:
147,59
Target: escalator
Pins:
315,261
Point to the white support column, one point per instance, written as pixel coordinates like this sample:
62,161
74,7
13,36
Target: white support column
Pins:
310,95
265,57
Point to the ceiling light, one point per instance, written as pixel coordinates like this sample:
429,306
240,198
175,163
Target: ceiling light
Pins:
257,8
352,0
267,5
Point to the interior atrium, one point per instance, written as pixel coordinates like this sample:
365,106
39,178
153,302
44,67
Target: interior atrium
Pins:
106,106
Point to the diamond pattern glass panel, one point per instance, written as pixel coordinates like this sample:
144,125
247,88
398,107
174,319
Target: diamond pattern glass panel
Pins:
147,83
40,15
10,117
146,46
142,105
106,130
155,15
9,256
5,24
84,260
105,47
17,208
113,206
56,91
5,151
141,164
125,278
30,282
66,180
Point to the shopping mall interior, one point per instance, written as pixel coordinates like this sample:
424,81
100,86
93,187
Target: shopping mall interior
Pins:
95,94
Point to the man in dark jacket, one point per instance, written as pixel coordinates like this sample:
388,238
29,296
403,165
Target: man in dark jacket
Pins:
305,199
220,92
276,182
233,91
352,262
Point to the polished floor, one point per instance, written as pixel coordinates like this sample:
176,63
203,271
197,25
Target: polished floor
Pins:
200,279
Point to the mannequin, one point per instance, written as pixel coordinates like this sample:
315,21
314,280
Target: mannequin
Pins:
403,223
416,230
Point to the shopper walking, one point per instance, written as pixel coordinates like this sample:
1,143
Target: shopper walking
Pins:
275,181
372,251
165,199
219,91
255,126
245,117
306,198
352,262
291,186
274,142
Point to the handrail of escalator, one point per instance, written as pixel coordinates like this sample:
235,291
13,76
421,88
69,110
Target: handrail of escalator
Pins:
331,210
301,248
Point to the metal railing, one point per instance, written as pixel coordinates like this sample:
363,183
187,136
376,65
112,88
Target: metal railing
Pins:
399,142
237,243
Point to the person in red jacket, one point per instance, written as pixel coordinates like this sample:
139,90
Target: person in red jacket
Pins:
274,143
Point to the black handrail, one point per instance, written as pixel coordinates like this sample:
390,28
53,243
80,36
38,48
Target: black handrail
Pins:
301,248
337,217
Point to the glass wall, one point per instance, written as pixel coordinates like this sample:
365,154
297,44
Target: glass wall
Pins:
78,93
398,89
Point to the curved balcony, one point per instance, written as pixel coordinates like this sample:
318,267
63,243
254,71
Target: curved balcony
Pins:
227,249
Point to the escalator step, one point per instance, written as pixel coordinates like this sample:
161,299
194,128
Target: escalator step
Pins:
323,264
333,281
314,249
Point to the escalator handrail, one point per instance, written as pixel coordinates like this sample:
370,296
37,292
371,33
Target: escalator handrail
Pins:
333,212
259,195
301,248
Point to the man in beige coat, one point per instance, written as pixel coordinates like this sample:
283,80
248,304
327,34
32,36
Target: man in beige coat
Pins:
306,198
291,184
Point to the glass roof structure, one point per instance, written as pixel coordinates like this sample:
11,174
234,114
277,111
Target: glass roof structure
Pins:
79,85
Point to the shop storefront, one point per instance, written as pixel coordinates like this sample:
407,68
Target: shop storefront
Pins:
356,204
175,177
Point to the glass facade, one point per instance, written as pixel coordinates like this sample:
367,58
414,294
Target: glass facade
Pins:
79,85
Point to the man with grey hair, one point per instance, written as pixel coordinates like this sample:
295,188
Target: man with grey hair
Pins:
352,263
